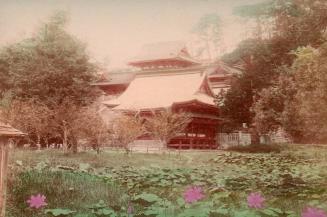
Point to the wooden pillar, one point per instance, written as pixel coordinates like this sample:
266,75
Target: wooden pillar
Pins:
4,149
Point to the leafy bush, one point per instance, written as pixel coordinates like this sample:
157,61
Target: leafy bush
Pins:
257,148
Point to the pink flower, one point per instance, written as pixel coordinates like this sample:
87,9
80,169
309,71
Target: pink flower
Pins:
193,194
37,201
313,212
130,209
255,200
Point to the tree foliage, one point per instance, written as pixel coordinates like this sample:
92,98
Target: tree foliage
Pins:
126,129
209,29
92,127
254,10
310,77
270,108
260,60
45,83
298,106
165,125
64,123
293,23
49,67
5,102
32,117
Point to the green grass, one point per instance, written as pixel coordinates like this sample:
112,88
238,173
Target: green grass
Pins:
290,179
113,158
62,188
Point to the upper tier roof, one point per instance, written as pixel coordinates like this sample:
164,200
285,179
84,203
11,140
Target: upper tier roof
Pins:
167,52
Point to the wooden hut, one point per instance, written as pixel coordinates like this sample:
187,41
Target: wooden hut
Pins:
6,132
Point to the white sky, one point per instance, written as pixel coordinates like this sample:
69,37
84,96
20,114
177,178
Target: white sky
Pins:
115,30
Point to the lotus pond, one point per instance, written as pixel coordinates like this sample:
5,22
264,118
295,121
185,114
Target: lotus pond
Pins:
176,184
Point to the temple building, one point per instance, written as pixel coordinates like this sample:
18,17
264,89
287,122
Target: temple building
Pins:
167,77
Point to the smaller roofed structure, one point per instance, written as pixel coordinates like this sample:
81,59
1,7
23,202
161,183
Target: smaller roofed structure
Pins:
114,83
8,131
220,76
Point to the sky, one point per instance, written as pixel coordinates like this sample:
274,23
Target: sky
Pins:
115,30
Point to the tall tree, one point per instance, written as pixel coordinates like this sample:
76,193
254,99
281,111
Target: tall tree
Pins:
298,100
165,125
293,23
32,117
50,67
260,60
309,71
91,127
126,129
209,29
5,102
276,108
53,71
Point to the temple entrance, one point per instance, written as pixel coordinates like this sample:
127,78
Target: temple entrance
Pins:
200,134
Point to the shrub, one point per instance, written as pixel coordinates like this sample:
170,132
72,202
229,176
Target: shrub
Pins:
257,148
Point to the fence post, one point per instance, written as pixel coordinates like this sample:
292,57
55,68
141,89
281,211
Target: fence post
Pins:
239,137
3,174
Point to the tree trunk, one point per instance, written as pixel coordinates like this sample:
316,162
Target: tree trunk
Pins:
255,137
127,150
4,151
47,142
65,139
65,135
208,49
74,145
98,143
38,145
163,146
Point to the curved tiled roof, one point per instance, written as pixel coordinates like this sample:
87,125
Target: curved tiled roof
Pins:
111,78
162,91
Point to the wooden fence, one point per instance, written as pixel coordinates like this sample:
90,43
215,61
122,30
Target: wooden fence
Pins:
225,140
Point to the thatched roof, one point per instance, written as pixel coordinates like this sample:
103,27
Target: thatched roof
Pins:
8,131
